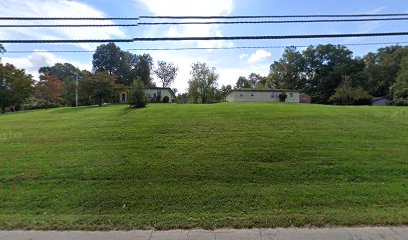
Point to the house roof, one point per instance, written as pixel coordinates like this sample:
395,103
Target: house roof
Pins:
262,90
379,98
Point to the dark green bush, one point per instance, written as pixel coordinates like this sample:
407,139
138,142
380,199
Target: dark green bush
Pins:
166,99
283,96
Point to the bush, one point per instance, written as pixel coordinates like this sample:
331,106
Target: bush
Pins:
166,99
137,96
399,102
282,97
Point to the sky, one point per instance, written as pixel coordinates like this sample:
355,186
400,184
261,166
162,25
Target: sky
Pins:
230,64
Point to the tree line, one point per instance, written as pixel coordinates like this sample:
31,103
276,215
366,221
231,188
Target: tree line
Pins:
330,74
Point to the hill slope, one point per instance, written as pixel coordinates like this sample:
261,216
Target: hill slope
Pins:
184,166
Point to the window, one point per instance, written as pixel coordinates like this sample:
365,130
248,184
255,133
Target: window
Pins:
252,94
272,95
123,97
291,95
241,95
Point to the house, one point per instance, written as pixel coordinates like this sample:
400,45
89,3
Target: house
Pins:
155,94
305,98
380,101
261,95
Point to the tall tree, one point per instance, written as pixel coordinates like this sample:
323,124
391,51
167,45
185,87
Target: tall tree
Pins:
325,65
383,67
400,87
61,70
15,86
166,72
243,82
289,71
49,88
203,83
142,68
99,87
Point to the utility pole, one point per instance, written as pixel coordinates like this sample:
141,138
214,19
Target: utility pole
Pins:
76,89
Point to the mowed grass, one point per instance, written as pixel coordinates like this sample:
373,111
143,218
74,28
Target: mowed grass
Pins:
186,166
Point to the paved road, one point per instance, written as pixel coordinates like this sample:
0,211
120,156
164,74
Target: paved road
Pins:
369,233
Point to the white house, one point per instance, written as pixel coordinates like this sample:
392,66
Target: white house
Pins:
153,94
261,95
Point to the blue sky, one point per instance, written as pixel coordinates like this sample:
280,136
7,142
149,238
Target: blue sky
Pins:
230,64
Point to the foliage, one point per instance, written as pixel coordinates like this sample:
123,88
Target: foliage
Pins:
49,88
225,90
383,67
62,71
166,99
400,87
282,97
98,87
346,94
289,71
166,72
399,102
243,165
137,96
124,65
15,86
243,82
203,83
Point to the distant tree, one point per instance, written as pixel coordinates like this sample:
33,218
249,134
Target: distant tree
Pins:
346,94
166,72
225,90
107,58
49,88
203,83
400,87
2,49
98,87
182,98
15,87
142,68
67,73
137,96
382,68
243,82
289,71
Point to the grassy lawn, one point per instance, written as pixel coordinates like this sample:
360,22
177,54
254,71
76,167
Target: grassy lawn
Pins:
186,166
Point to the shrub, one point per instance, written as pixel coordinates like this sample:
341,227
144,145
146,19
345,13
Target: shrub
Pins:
283,96
166,99
399,102
137,96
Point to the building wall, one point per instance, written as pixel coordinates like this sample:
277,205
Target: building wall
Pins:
247,96
150,93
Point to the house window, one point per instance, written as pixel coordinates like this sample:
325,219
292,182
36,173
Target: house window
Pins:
252,94
241,95
272,95
291,95
123,97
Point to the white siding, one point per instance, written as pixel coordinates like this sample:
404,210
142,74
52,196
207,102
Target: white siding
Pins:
261,96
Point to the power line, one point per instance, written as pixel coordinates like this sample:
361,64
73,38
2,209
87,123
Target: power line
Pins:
346,35
201,23
203,48
208,17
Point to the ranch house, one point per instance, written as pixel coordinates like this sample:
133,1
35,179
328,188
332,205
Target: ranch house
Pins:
155,94
262,95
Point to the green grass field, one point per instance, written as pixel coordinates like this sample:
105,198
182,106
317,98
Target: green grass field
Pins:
211,166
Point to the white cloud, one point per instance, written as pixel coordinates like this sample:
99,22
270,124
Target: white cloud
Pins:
192,8
55,8
37,59
258,56
243,56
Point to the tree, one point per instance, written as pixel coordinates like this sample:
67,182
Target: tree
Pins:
166,72
346,94
137,96
225,90
98,87
289,71
282,97
325,65
243,82
15,87
68,74
382,68
49,88
203,83
400,87
142,68
107,58
2,49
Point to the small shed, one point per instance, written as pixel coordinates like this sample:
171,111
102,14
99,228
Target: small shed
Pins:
380,101
305,98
